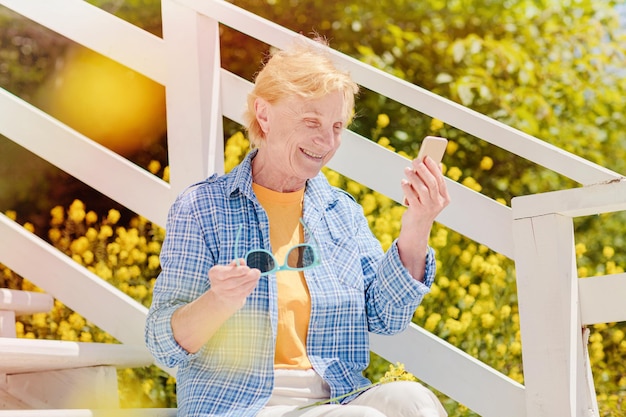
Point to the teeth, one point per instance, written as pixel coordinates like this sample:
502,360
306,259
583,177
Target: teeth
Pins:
312,155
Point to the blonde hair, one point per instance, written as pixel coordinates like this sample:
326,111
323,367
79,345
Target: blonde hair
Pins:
305,70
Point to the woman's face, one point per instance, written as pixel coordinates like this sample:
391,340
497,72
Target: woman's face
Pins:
301,136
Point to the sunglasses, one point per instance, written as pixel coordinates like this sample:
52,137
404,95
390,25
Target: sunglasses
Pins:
299,257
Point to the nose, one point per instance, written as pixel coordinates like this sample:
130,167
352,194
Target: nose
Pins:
326,136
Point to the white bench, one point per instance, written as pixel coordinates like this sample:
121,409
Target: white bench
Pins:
54,374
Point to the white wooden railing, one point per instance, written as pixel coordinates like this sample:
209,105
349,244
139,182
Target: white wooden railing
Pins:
536,232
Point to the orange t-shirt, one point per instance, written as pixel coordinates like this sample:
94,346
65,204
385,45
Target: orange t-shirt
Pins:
294,301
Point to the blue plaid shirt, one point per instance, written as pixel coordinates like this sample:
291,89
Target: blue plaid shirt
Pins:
357,289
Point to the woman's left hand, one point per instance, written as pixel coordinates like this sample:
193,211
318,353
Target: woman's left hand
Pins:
426,196
425,190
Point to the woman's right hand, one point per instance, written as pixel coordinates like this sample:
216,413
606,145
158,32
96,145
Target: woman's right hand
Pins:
233,283
195,323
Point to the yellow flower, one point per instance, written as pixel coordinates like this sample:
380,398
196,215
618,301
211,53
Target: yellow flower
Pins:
105,232
485,290
30,227
58,216
581,249
435,290
487,320
454,326
382,120
608,252
333,177
444,282
91,234
515,348
435,124
19,328
505,311
452,148
11,214
617,336
464,280
79,245
432,321
453,312
88,257
354,187
113,217
86,337
166,174
154,166
474,290
40,320
77,211
384,141
470,182
397,373
420,312
91,217
454,173
123,274
77,259
440,240
153,262
468,301
368,203
486,163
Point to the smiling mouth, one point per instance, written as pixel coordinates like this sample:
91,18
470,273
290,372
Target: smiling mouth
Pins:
311,154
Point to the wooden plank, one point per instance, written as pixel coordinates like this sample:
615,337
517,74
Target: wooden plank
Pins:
454,372
602,298
599,198
25,302
38,355
7,324
194,118
555,372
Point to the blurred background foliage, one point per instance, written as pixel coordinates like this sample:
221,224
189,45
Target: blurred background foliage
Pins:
553,69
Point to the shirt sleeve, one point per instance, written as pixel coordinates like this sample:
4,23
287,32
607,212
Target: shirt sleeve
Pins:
185,261
392,294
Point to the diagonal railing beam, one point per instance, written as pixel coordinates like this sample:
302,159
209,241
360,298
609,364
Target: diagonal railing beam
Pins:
116,177
100,31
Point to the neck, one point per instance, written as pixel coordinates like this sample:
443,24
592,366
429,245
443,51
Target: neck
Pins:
264,174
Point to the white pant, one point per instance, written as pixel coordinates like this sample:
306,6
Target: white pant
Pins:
294,389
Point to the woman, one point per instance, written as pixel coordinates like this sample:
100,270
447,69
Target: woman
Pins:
272,279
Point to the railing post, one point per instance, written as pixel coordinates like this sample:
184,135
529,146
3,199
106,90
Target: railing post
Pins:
194,116
555,360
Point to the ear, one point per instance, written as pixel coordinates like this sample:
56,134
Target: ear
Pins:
262,110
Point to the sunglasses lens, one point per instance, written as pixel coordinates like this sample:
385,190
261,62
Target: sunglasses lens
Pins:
260,260
301,256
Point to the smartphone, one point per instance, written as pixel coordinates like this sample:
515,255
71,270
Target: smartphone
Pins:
432,146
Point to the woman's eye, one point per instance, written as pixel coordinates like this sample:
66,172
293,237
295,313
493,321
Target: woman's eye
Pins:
311,123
